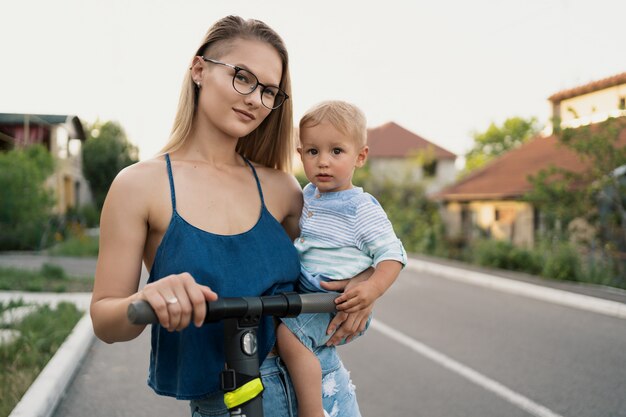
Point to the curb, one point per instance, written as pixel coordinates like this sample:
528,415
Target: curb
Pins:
43,396
552,295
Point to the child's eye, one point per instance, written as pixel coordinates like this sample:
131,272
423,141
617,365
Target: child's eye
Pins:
312,151
337,151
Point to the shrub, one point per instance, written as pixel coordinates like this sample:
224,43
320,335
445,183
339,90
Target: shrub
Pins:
504,255
25,202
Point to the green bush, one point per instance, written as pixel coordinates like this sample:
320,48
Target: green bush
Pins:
25,202
505,255
77,246
562,262
52,271
89,215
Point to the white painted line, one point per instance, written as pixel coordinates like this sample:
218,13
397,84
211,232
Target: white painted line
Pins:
552,295
483,381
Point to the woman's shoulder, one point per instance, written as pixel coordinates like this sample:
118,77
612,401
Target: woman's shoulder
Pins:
277,179
140,174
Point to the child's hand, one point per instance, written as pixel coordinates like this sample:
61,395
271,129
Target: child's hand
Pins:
358,296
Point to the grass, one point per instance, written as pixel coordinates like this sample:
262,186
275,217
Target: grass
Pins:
41,334
79,245
50,278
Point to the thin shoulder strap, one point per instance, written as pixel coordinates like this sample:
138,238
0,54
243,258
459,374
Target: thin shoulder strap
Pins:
169,173
258,183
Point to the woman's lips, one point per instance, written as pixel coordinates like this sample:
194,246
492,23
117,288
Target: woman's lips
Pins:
244,114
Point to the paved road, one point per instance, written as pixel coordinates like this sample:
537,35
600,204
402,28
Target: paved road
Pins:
437,348
80,267
568,361
463,351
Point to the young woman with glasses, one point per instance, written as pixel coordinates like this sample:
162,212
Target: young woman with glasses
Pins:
213,215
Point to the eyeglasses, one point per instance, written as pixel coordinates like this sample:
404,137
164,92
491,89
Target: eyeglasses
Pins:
245,82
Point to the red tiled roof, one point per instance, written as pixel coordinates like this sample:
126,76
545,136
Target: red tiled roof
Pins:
589,88
393,141
507,176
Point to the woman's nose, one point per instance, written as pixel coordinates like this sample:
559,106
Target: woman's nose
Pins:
254,98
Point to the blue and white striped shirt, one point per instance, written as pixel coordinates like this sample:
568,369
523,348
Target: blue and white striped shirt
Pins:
343,233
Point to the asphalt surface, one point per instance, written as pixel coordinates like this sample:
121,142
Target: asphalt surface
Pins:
570,361
453,350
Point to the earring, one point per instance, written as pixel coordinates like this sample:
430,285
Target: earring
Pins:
198,84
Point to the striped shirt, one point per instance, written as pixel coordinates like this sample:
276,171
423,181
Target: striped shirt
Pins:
343,233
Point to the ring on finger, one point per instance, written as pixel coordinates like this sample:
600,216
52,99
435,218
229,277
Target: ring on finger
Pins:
171,300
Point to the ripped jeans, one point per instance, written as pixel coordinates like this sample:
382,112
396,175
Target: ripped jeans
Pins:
279,398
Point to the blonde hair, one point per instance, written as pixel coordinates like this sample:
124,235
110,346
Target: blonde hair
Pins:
345,117
271,144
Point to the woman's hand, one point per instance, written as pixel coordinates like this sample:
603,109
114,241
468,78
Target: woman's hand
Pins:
177,300
347,325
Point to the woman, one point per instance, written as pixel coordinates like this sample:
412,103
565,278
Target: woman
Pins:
214,214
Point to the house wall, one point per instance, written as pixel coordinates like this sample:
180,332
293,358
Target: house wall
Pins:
70,187
406,169
505,220
592,107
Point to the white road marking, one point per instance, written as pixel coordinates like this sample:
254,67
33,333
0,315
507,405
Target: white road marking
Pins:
479,379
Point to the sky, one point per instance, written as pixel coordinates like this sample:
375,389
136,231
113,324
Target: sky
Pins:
441,69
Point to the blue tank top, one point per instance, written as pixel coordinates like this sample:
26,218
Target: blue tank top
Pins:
260,261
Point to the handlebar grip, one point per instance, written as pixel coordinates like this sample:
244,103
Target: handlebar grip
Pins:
319,302
141,312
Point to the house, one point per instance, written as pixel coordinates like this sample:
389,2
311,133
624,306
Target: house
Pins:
63,136
397,153
490,200
590,103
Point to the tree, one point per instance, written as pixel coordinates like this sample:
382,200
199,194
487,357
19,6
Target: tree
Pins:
105,153
25,202
497,140
596,193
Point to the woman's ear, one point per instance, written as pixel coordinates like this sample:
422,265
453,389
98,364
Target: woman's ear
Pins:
197,69
362,156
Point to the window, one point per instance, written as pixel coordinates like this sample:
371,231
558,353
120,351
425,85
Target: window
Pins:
430,168
622,103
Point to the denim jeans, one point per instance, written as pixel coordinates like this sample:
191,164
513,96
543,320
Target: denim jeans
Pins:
311,328
279,399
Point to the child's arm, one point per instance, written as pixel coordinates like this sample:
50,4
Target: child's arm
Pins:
363,294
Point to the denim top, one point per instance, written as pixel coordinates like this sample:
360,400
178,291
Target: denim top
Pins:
260,261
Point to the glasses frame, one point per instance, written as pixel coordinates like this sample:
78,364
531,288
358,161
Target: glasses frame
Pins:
257,84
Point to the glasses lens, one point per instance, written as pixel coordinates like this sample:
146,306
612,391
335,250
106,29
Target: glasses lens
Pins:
272,97
244,81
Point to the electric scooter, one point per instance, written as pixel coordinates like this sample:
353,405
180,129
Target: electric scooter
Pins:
241,377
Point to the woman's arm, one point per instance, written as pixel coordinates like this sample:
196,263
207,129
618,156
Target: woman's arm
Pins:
293,192
123,234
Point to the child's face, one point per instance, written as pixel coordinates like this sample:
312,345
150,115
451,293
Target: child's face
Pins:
329,157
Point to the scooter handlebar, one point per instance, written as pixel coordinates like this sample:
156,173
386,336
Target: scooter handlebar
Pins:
280,305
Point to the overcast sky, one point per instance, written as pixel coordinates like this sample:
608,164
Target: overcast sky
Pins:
441,69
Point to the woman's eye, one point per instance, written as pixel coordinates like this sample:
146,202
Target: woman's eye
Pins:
270,92
241,77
